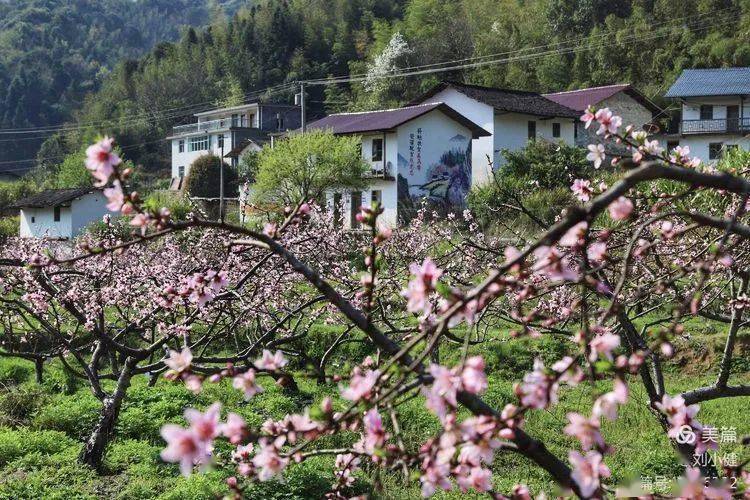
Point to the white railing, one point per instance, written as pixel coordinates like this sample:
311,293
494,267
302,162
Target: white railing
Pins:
208,126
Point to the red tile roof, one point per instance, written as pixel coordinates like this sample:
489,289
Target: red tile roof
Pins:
582,98
389,119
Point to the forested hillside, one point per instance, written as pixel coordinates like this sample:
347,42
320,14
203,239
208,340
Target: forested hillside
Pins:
541,45
54,52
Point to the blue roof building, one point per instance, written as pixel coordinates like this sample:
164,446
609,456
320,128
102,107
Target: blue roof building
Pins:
714,111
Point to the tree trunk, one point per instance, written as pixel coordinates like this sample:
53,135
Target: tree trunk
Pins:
96,445
39,370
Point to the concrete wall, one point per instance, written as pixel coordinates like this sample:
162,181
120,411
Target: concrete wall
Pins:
74,218
187,158
87,209
512,132
40,223
621,104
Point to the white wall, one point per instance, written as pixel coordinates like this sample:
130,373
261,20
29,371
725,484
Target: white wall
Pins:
73,218
512,132
431,178
187,158
87,209
481,114
44,225
390,146
389,202
691,109
699,144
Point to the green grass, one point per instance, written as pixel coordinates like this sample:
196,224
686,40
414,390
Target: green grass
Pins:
42,427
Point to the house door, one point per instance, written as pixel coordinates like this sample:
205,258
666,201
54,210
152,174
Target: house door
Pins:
733,118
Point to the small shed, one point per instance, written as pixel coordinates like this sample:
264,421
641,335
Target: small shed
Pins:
61,213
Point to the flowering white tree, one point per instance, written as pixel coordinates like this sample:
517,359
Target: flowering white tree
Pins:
665,242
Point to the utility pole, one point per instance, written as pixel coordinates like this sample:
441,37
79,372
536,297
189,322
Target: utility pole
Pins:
300,101
221,184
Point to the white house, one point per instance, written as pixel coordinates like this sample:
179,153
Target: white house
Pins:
714,111
61,213
622,99
416,152
512,118
221,131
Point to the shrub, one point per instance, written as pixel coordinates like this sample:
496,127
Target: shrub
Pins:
17,443
74,415
537,178
15,371
17,405
203,178
53,483
122,454
9,227
178,205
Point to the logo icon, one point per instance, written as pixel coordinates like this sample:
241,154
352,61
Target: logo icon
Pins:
686,435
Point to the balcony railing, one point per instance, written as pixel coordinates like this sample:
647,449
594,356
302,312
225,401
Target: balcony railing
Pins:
379,170
208,126
716,126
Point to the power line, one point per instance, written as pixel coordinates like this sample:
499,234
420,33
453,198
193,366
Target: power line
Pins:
572,49
185,110
526,49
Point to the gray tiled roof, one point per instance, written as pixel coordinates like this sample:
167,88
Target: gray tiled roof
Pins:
708,82
52,197
515,101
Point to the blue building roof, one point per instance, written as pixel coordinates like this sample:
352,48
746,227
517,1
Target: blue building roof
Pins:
708,82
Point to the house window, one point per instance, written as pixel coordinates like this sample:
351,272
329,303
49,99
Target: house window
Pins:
181,171
707,112
250,120
200,143
376,198
221,140
555,130
377,150
532,130
715,150
356,204
236,120
56,213
181,146
279,122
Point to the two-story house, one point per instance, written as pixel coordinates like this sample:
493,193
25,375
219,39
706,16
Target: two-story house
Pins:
416,152
223,130
512,118
624,100
714,111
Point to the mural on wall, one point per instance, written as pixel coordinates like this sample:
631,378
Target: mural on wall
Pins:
445,180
